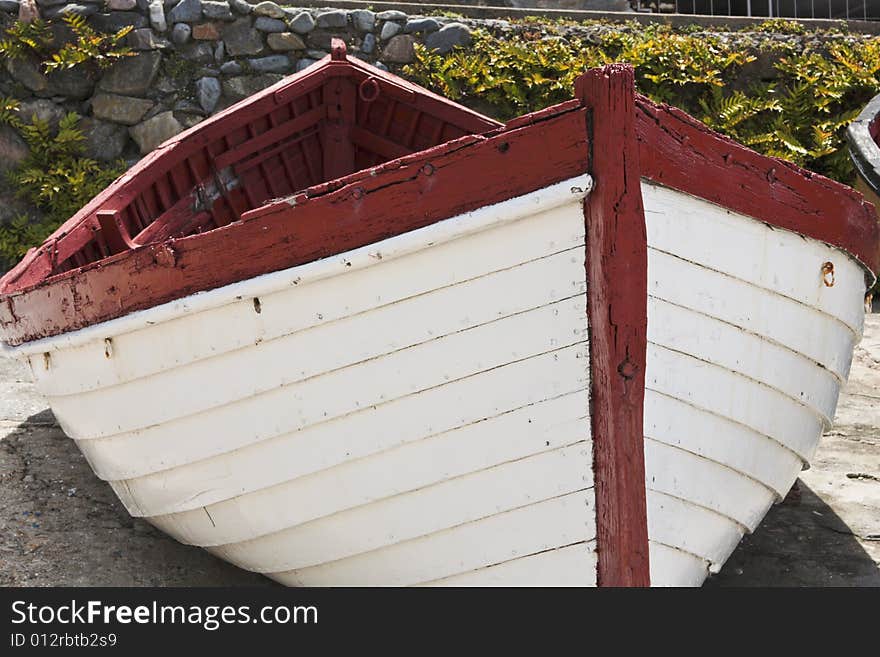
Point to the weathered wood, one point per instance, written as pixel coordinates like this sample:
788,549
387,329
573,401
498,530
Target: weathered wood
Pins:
372,205
616,266
185,159
678,151
339,99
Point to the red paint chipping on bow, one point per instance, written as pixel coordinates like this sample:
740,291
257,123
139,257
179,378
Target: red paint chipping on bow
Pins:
617,275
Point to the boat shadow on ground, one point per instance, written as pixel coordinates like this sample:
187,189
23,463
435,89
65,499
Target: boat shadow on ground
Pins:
801,542
62,526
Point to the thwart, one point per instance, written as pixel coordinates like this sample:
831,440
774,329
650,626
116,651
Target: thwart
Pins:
347,332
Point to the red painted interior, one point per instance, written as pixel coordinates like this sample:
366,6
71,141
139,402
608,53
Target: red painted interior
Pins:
316,126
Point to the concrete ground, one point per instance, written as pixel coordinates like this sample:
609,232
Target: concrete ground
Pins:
60,525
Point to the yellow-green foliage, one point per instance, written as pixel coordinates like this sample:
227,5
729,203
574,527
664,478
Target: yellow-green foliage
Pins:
55,177
24,39
801,116
782,26
35,39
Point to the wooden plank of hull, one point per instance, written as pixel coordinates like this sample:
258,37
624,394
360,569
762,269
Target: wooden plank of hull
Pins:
269,463
558,522
409,514
361,481
573,565
756,358
557,373
779,319
694,529
531,427
722,440
681,474
673,567
444,318
734,397
751,251
391,273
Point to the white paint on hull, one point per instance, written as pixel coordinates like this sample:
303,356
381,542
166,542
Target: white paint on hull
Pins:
550,524
776,260
417,509
672,566
573,565
444,438
695,529
747,351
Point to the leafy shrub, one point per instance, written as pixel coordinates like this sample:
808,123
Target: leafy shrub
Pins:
55,178
800,116
35,39
513,77
780,26
26,39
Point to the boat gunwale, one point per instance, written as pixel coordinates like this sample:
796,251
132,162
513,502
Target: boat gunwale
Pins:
479,220
864,151
794,198
159,161
345,190
856,231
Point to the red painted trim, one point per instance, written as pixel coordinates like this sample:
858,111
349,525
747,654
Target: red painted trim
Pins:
678,151
617,302
38,265
371,205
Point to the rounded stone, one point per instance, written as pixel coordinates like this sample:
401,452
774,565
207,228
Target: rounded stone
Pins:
389,30
363,20
269,9
421,25
265,24
180,33
399,50
285,41
334,18
302,23
449,37
208,93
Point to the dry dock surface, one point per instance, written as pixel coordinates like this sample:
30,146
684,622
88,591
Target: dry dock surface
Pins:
60,525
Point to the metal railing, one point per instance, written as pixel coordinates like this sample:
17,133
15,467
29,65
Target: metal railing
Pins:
836,9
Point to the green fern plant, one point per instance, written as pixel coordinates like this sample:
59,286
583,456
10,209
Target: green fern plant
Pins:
779,26
35,40
89,46
26,39
801,116
55,177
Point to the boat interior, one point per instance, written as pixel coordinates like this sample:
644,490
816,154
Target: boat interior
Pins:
336,118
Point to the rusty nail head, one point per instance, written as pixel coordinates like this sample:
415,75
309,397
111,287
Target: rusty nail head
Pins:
828,274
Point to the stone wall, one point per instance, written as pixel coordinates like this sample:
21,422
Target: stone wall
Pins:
193,58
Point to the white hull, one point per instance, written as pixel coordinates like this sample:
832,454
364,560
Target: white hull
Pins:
416,412
747,351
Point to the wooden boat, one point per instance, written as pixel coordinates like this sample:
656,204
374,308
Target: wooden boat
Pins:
348,332
862,135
